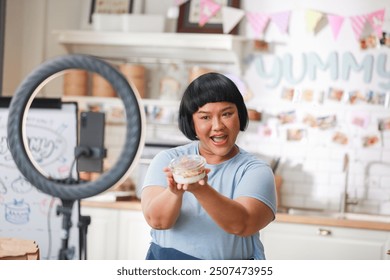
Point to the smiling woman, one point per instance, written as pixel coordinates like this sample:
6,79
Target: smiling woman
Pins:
232,202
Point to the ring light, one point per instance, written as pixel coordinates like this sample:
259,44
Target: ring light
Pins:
17,140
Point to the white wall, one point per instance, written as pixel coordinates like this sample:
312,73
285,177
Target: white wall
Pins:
313,167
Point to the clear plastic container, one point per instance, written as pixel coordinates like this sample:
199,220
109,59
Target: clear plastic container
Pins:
188,169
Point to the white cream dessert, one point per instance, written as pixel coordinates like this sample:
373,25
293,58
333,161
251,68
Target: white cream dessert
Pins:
188,169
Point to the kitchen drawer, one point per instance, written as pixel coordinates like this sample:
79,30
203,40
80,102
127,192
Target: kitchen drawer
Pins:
290,241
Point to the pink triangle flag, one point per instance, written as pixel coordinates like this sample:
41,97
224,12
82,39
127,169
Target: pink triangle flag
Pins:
335,22
208,9
376,20
358,23
258,22
281,20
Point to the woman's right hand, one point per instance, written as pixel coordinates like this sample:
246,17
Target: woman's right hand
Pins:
172,185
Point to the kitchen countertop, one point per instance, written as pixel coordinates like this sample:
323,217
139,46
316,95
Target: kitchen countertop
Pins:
280,217
332,221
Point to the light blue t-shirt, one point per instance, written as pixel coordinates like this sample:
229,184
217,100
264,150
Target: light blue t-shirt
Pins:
195,233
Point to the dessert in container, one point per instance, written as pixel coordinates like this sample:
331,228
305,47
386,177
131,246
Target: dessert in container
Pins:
188,169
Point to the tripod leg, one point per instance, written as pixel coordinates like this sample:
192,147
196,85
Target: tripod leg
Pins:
84,222
66,210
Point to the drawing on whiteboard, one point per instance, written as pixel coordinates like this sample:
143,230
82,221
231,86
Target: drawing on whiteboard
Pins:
21,185
3,189
26,212
46,145
17,212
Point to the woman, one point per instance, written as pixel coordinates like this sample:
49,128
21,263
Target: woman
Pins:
220,216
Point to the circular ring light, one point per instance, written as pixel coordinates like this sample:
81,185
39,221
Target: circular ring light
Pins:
17,140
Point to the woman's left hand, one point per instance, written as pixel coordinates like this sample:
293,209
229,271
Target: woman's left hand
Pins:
194,186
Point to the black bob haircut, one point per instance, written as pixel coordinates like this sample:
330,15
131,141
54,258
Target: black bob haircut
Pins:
209,88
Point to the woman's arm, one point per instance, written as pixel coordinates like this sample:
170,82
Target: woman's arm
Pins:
160,205
242,216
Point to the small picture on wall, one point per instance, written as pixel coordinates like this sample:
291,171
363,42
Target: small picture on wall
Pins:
327,122
287,117
385,40
360,119
288,94
369,42
370,140
384,124
295,134
376,98
340,138
310,120
307,95
112,6
356,97
265,131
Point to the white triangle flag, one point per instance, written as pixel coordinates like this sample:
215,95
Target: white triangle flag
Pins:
230,18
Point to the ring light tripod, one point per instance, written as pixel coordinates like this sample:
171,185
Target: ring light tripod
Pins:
70,190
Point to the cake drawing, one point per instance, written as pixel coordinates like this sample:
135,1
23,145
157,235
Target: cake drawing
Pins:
17,212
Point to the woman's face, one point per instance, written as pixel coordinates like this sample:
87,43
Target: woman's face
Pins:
217,125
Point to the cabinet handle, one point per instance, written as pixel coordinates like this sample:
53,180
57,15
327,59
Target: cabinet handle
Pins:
324,232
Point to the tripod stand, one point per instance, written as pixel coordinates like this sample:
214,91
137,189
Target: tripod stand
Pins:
66,252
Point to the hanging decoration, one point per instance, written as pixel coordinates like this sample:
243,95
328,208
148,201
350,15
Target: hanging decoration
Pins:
358,23
335,23
312,19
258,22
281,20
376,20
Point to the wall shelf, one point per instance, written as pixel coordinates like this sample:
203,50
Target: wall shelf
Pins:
191,47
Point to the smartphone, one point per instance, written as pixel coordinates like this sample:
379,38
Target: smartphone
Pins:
92,138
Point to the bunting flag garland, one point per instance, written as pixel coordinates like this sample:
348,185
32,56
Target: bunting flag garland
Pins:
230,18
335,24
376,20
312,20
281,20
358,23
258,22
208,9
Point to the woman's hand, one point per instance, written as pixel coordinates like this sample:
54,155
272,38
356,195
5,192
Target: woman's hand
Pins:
191,187
172,185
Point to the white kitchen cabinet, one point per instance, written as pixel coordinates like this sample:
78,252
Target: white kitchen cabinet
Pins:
291,241
134,235
217,48
116,234
171,60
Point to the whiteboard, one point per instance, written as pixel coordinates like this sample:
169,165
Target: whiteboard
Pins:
25,211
